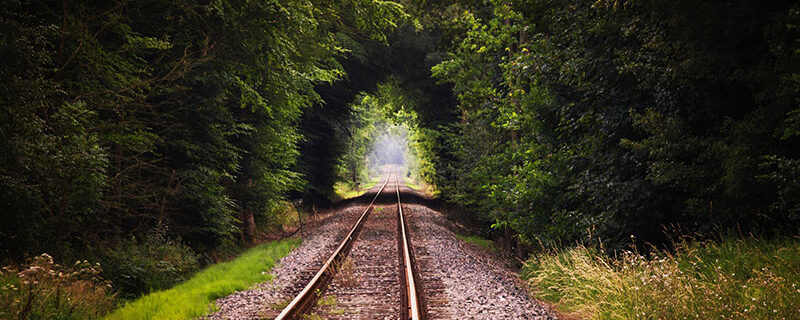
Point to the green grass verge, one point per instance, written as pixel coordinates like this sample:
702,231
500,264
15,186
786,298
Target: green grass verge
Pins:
729,279
375,181
481,242
344,191
410,183
195,297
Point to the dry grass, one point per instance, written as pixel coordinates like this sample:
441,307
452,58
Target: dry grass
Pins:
347,272
731,279
45,290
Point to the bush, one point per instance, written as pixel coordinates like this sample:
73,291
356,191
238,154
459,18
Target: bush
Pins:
730,279
157,263
43,289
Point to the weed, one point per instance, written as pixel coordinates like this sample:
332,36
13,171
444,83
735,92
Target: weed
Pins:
312,316
486,244
279,305
46,290
328,305
327,301
730,279
346,272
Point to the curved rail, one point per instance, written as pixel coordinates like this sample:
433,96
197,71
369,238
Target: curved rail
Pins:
413,300
306,298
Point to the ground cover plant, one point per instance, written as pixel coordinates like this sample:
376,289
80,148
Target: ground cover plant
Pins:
486,244
346,191
729,279
43,289
195,297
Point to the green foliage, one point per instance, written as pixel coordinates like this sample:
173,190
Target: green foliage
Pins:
347,191
382,125
739,279
138,267
51,166
364,124
120,118
195,297
486,244
585,121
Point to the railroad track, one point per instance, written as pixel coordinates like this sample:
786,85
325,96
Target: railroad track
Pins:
378,288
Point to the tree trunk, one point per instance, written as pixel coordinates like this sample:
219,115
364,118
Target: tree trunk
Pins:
248,227
248,221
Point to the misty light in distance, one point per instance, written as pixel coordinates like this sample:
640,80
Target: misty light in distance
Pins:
389,148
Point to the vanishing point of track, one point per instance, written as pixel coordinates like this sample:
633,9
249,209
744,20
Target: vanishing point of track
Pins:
411,298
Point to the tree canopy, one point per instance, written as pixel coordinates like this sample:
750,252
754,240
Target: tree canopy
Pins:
136,129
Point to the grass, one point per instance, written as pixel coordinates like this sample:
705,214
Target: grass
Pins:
486,244
411,184
345,191
728,279
430,190
195,297
327,303
374,181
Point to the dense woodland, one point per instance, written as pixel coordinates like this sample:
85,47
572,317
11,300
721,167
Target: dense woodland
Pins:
158,136
613,119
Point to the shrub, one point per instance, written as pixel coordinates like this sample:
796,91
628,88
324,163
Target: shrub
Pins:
157,263
730,279
42,289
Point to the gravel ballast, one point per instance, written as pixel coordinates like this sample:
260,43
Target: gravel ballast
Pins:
476,285
461,280
320,239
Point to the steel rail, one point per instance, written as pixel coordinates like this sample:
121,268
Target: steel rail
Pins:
306,298
414,303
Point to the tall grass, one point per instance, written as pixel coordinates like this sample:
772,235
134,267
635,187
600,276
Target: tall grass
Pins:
43,289
195,297
729,279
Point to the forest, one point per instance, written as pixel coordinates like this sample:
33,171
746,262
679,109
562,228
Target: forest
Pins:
149,139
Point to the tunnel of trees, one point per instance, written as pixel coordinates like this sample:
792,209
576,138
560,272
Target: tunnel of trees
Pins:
135,130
